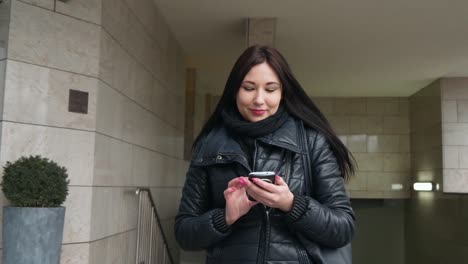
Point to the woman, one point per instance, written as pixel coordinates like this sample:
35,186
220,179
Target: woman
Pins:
265,121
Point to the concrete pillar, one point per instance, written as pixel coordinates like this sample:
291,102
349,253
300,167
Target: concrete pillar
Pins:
261,31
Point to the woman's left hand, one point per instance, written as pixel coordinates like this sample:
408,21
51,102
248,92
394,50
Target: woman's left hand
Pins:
275,195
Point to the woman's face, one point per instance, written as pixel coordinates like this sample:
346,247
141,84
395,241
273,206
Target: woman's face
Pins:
260,93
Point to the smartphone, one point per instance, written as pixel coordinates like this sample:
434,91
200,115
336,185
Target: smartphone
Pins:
266,176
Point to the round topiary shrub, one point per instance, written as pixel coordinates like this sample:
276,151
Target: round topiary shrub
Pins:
35,182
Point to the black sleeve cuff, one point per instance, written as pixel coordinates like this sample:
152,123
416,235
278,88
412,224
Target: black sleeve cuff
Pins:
298,209
219,221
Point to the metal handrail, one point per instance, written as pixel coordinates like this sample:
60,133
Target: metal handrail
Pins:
149,233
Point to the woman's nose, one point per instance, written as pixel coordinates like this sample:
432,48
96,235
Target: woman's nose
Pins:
259,98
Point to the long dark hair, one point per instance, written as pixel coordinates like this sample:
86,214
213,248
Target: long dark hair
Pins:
295,99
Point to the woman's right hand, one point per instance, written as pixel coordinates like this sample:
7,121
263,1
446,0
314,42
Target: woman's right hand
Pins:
237,202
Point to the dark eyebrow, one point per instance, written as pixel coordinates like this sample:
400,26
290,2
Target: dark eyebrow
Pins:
249,82
273,84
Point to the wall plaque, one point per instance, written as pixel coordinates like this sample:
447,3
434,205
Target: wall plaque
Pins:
78,102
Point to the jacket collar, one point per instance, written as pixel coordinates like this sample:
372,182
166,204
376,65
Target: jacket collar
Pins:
219,142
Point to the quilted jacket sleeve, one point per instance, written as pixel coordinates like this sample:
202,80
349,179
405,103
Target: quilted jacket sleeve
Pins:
326,218
197,225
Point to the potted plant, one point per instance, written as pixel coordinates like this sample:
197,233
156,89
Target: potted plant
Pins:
33,225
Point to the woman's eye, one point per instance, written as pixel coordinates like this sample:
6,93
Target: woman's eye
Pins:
248,88
270,90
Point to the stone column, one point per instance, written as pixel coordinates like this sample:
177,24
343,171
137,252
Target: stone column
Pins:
261,31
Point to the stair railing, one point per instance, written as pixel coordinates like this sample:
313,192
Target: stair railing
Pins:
152,245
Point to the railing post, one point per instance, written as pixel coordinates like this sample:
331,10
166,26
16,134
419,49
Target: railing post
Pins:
151,243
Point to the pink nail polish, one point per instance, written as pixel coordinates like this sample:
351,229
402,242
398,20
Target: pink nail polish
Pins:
243,182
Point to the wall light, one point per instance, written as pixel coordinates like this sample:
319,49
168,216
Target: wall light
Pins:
425,186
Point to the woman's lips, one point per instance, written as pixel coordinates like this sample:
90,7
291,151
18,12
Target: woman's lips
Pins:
257,112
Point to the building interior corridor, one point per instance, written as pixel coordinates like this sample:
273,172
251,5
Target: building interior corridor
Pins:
391,77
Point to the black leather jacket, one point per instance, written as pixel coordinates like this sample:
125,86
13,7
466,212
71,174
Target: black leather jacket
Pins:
264,235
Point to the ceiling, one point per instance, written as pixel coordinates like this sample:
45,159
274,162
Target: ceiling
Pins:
335,47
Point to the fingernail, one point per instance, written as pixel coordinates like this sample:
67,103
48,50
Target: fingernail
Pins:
243,182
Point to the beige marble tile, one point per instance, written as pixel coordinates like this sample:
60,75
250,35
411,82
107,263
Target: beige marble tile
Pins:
77,215
404,106
451,157
110,111
357,143
455,181
435,175
169,140
170,172
454,88
143,86
397,162
382,181
122,70
349,106
358,182
428,159
449,111
339,123
39,95
463,157
365,194
46,38
48,4
157,170
146,165
455,134
382,106
171,60
136,121
115,18
404,143
343,139
2,85
131,245
114,210
113,249
4,26
147,13
126,28
88,10
168,227
366,124
382,143
429,137
396,125
462,110
106,60
167,201
75,253
168,106
3,202
113,162
369,161
325,104
72,149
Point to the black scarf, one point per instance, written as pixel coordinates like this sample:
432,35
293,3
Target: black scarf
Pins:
246,132
239,126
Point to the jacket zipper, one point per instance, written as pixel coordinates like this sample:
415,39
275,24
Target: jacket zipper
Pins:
265,233
286,169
